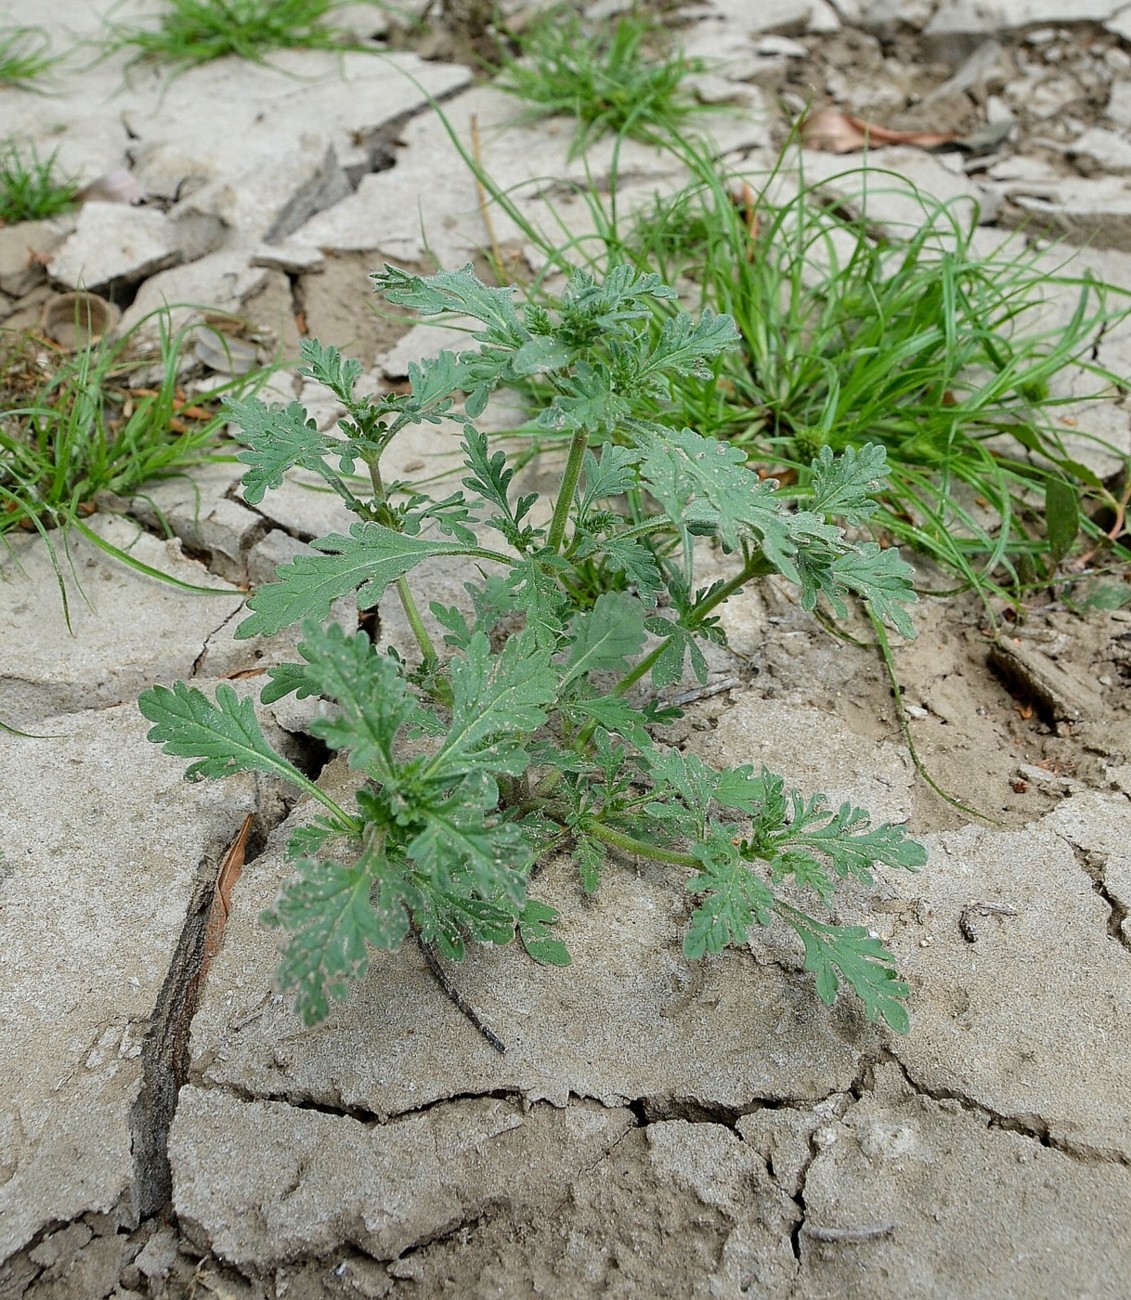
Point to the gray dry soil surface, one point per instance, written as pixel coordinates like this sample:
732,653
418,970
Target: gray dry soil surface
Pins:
169,1129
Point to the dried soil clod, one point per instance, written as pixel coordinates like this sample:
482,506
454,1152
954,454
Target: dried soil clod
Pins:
1057,696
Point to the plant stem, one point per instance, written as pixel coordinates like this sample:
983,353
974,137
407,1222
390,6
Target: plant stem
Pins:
408,604
756,567
569,486
349,824
639,848
423,640
642,668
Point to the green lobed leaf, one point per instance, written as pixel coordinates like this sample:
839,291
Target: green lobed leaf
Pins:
846,485
686,344
455,291
585,401
371,557
702,483
225,737
687,776
460,849
878,576
496,698
610,476
283,679
636,563
863,962
615,714
279,438
446,915
733,899
433,383
680,646
372,696
848,840
327,365
331,918
605,637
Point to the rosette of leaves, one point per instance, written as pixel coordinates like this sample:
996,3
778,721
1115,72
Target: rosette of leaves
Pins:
493,751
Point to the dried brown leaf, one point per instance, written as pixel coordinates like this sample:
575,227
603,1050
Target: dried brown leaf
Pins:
834,131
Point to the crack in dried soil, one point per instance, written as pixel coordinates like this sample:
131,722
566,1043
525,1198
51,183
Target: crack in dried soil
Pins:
199,660
165,1048
1034,1127
1094,866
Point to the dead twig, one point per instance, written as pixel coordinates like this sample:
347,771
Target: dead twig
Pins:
453,994
702,693
484,204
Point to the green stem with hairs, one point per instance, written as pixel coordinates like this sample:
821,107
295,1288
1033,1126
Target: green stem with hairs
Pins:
569,486
755,567
408,604
639,848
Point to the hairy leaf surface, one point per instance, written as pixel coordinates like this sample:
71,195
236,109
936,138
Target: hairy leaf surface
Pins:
370,558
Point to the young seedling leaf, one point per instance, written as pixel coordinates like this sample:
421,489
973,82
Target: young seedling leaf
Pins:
534,931
1062,516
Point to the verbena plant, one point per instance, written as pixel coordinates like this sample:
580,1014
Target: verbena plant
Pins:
527,732
31,187
197,31
604,79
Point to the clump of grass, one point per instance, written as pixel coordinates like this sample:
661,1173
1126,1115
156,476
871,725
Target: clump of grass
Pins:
25,55
605,79
30,186
198,31
941,353
76,425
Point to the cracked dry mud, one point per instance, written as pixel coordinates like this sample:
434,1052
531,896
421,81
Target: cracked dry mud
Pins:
652,1128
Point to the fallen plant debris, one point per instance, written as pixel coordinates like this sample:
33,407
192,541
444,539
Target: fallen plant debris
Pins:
834,131
537,715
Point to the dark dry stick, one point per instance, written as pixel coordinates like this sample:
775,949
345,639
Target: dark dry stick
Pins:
702,693
454,995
